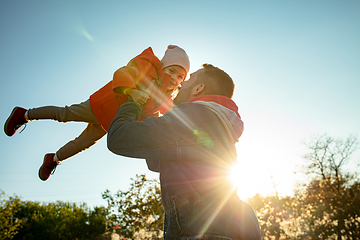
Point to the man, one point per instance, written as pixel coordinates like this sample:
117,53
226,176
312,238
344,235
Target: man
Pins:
193,148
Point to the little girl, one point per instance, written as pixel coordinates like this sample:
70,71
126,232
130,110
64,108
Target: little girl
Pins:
147,80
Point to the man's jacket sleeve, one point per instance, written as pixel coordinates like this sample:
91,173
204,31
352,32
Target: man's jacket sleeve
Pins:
148,139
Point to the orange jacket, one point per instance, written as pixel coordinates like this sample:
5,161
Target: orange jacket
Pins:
138,74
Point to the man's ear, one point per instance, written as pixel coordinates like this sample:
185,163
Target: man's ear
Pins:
198,89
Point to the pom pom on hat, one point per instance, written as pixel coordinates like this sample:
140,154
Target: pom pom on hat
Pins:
175,55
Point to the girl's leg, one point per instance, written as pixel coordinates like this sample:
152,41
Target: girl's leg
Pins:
77,112
81,112
87,138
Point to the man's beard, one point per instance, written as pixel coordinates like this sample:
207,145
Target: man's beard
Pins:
182,96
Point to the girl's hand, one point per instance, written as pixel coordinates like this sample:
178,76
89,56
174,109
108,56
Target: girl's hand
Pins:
150,88
139,97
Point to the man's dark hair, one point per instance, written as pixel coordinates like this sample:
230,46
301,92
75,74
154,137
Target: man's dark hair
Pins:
217,82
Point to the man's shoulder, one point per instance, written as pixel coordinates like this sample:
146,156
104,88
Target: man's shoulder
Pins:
186,106
188,110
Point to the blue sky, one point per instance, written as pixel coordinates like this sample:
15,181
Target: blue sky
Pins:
296,66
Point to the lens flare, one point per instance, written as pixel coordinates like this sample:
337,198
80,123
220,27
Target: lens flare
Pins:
82,31
220,183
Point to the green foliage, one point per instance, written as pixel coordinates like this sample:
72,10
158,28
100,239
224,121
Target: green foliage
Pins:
137,213
60,220
9,224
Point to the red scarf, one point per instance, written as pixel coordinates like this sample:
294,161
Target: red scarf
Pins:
222,100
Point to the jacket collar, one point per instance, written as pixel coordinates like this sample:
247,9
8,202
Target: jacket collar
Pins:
222,100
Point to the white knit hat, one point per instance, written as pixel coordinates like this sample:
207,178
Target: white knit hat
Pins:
175,55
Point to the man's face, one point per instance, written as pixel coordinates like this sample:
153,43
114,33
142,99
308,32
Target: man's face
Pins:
185,92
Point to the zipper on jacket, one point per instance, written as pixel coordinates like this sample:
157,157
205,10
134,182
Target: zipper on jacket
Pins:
159,81
176,213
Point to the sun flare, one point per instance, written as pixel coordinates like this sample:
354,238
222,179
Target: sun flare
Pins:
242,179
235,175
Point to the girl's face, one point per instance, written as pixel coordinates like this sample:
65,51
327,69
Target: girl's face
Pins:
178,75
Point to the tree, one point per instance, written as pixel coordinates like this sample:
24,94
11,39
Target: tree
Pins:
137,213
276,216
329,205
9,224
328,156
60,220
97,222
326,207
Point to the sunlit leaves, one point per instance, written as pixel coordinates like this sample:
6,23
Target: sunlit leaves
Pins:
325,207
137,212
9,224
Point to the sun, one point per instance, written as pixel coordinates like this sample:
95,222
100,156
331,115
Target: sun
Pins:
235,175
242,179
